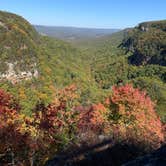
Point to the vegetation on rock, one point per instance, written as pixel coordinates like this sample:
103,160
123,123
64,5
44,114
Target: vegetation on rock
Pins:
148,43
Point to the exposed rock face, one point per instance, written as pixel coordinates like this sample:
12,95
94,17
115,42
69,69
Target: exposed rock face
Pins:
3,25
14,77
144,29
157,158
117,155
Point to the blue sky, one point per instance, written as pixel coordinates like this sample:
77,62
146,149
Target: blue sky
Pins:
87,13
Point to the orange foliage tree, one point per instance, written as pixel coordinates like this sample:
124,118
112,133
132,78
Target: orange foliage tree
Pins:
58,119
93,118
20,138
128,113
15,139
92,122
133,116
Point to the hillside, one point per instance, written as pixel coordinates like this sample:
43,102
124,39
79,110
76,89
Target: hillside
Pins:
110,65
41,64
82,99
147,42
62,65
18,48
73,34
32,66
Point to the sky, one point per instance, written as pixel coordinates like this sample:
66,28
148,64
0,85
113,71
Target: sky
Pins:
87,13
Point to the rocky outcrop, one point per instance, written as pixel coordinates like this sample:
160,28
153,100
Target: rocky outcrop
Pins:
110,155
147,43
117,155
3,25
14,77
158,158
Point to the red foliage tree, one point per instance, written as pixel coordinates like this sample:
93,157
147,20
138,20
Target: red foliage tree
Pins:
133,116
17,133
128,112
92,122
12,140
59,118
92,118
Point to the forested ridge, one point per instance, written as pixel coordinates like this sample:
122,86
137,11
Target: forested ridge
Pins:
59,97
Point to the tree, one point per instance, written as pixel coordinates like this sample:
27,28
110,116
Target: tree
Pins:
93,118
12,140
57,121
19,137
133,116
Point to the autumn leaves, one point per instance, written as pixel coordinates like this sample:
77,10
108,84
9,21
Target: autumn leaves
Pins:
128,114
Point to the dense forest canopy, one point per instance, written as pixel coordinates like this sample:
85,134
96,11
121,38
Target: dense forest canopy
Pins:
148,43
56,96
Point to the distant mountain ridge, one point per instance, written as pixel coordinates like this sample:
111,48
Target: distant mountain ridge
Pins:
73,33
